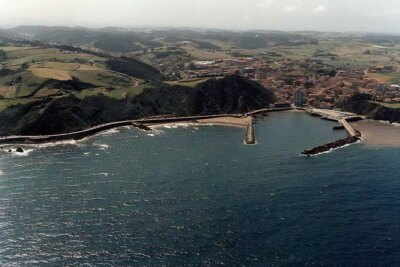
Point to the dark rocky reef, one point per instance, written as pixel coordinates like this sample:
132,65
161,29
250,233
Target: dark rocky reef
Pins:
233,94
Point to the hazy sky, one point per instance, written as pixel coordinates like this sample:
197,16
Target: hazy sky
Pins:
322,15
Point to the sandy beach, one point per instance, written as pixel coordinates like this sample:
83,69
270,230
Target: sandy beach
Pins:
221,121
378,134
226,121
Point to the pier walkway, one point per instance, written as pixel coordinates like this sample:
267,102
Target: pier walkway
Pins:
348,128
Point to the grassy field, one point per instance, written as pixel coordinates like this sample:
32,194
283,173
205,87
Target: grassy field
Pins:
8,91
388,105
6,103
60,65
388,78
14,48
190,82
102,78
198,54
16,56
116,93
61,75
42,64
24,82
47,92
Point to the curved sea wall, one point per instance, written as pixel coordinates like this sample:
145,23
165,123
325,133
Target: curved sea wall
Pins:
78,135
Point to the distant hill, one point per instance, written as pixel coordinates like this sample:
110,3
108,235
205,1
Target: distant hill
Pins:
123,41
5,35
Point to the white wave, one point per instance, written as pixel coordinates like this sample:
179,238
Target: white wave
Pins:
109,132
25,153
390,123
58,143
102,146
155,132
174,125
13,151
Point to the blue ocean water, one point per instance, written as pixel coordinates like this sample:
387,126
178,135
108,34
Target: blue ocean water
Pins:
197,196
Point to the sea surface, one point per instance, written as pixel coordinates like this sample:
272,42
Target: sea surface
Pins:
197,196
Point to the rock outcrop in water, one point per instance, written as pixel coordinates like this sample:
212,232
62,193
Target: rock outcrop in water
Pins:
233,94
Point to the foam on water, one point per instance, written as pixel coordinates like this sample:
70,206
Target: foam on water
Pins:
102,146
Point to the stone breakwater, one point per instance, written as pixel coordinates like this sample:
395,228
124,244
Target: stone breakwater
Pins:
333,145
330,146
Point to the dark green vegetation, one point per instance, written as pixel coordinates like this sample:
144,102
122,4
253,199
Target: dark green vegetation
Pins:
135,68
232,94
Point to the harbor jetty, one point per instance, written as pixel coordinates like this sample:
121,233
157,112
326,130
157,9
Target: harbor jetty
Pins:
353,136
250,134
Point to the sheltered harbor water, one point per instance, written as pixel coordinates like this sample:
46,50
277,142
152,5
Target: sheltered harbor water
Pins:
198,196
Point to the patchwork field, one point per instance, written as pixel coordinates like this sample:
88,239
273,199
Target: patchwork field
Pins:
36,73
60,75
8,91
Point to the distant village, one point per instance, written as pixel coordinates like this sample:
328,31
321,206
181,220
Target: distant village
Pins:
301,83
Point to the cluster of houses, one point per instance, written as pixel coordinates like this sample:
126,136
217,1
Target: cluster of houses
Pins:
302,83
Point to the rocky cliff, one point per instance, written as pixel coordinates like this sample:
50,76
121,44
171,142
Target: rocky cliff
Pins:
374,110
233,94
